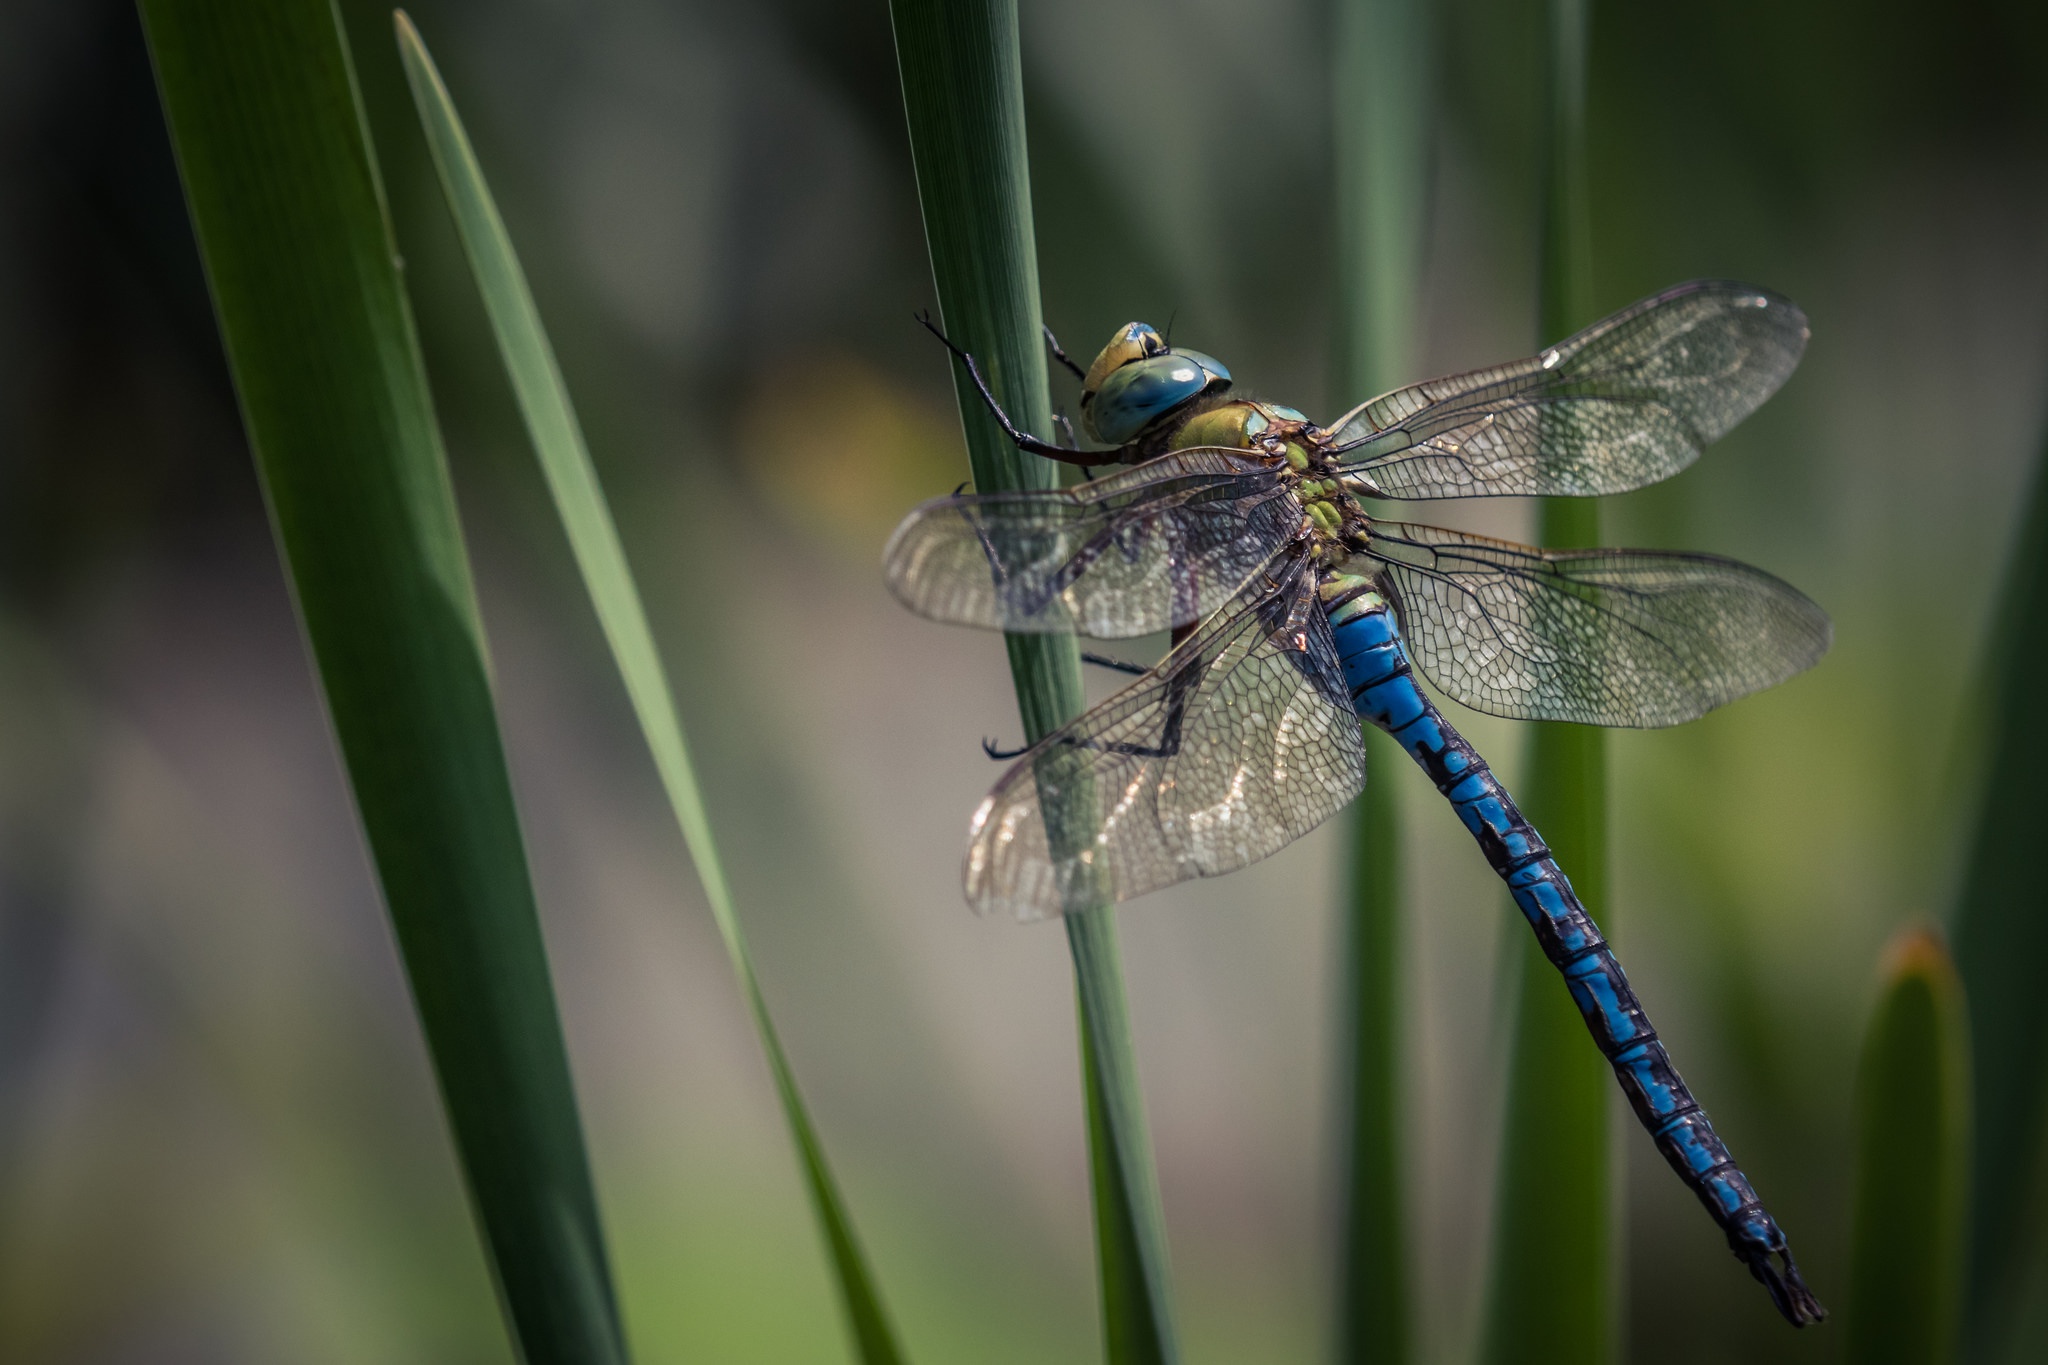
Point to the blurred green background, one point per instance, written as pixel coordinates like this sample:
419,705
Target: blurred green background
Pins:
219,1140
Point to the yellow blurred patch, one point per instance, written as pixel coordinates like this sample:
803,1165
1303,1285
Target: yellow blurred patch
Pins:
843,455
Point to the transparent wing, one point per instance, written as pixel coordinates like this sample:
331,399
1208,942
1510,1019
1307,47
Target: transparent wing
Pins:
1242,740
1163,544
1630,400
1606,637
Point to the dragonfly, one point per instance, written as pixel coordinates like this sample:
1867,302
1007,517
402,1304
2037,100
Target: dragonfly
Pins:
1239,526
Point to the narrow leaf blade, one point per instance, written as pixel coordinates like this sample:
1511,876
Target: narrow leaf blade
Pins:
1555,1203
579,498
2001,949
1382,88
1912,1152
289,213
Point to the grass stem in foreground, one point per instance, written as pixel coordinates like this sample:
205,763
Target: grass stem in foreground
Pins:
269,133
1556,1203
2001,950
1912,1148
586,517
1381,101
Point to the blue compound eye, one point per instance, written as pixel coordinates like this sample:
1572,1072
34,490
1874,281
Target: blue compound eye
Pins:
1211,364
1142,391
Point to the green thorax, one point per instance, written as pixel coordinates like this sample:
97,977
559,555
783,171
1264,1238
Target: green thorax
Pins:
1271,429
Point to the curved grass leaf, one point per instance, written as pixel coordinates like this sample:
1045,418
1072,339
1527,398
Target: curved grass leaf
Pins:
285,199
964,101
572,480
1912,1150
1381,98
1555,1200
2001,949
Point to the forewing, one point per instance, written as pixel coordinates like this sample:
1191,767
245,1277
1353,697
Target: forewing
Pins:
1630,400
1242,740
1605,637
1161,545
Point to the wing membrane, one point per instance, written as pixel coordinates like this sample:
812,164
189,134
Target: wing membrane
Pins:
1630,400
1242,740
1605,637
1160,545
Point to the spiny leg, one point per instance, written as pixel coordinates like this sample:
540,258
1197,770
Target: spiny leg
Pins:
1120,665
1061,356
1169,741
988,746
1023,440
1059,416
1121,748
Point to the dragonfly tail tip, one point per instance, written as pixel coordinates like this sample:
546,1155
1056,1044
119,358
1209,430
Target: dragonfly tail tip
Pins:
1788,1290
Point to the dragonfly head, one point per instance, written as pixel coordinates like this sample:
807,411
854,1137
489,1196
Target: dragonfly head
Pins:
1138,379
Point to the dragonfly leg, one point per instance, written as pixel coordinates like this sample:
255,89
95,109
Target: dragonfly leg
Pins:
988,746
1023,440
1057,354
1001,755
1120,665
1066,429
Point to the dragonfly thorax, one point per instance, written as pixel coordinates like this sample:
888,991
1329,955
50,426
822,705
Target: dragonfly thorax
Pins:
1336,523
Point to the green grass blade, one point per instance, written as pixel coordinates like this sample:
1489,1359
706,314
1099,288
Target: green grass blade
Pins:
285,199
964,101
572,480
1381,82
1373,1285
2001,949
1555,1204
1912,1150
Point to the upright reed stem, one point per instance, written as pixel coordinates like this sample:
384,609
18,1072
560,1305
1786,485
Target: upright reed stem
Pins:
1381,102
963,95
1554,1289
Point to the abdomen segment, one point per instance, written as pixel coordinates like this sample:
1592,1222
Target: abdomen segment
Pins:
1384,690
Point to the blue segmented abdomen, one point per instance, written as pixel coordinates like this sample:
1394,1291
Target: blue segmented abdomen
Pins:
1385,692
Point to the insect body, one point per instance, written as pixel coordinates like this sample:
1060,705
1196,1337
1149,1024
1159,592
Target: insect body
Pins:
1296,614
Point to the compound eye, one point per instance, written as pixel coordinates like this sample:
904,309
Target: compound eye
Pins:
1132,341
1143,391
